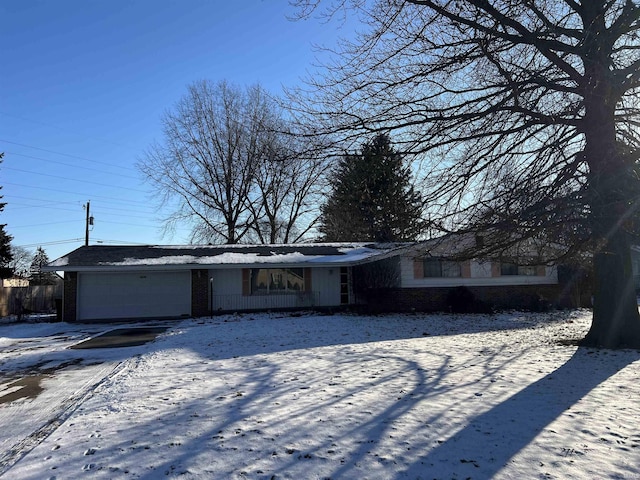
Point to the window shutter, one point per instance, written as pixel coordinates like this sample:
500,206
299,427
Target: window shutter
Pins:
495,269
465,269
307,279
418,268
246,281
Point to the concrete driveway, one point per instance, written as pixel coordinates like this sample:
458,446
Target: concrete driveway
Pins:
47,370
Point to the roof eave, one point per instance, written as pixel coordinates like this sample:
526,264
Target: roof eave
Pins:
199,266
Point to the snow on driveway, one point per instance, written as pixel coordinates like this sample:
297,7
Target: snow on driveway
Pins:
42,381
382,397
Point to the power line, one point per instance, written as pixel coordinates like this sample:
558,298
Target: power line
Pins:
148,212
73,165
65,154
84,195
54,242
49,202
98,213
40,224
12,206
76,240
73,179
122,242
45,200
129,224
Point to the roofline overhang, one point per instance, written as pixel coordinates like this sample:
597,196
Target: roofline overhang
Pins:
335,262
198,266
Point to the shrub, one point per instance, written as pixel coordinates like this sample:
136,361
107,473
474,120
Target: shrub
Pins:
460,300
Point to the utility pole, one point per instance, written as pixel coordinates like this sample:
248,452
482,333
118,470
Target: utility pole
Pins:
89,221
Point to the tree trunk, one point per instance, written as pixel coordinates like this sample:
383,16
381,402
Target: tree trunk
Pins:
612,188
616,323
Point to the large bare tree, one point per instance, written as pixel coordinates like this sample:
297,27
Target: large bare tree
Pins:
20,263
288,186
220,166
542,94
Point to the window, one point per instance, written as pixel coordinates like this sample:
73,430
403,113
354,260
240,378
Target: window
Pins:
511,268
344,286
277,280
508,268
528,270
437,267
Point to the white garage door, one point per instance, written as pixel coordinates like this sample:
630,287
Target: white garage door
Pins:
133,295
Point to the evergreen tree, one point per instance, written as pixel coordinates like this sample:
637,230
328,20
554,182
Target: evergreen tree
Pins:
372,198
5,244
36,275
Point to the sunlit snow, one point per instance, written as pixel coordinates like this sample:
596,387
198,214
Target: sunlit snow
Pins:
276,396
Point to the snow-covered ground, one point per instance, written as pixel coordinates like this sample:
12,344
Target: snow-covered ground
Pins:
275,396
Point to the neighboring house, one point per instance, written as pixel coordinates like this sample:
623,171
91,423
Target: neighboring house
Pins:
15,282
123,282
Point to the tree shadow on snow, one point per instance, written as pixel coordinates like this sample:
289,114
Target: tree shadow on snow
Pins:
507,428
499,434
309,331
278,438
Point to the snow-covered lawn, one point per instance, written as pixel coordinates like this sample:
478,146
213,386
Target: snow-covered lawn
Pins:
275,396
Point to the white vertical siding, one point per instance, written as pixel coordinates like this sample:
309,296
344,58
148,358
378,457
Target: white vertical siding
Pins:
480,269
326,281
226,281
226,290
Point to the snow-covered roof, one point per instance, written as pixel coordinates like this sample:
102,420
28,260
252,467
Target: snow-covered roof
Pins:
108,257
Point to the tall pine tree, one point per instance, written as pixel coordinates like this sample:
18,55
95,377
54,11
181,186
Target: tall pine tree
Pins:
36,275
5,244
372,198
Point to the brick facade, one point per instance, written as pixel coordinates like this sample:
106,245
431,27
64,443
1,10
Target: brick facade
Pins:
70,297
435,299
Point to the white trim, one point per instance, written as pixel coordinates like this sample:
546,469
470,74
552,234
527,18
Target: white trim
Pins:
479,271
222,266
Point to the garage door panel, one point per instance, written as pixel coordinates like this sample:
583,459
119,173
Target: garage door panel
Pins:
134,295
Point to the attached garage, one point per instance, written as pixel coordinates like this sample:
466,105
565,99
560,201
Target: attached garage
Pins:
112,295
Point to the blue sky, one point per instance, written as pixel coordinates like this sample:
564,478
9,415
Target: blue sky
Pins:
84,84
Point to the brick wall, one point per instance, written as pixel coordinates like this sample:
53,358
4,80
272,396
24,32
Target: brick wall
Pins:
434,299
69,297
199,293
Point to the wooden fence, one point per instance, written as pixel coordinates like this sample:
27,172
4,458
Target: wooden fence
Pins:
35,298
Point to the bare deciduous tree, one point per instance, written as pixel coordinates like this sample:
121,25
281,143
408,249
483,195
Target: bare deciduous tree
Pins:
217,162
288,184
542,92
21,259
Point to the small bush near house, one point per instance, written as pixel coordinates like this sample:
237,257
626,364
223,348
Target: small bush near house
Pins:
538,303
462,300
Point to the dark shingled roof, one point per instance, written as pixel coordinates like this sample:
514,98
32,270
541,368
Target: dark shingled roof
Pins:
141,255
